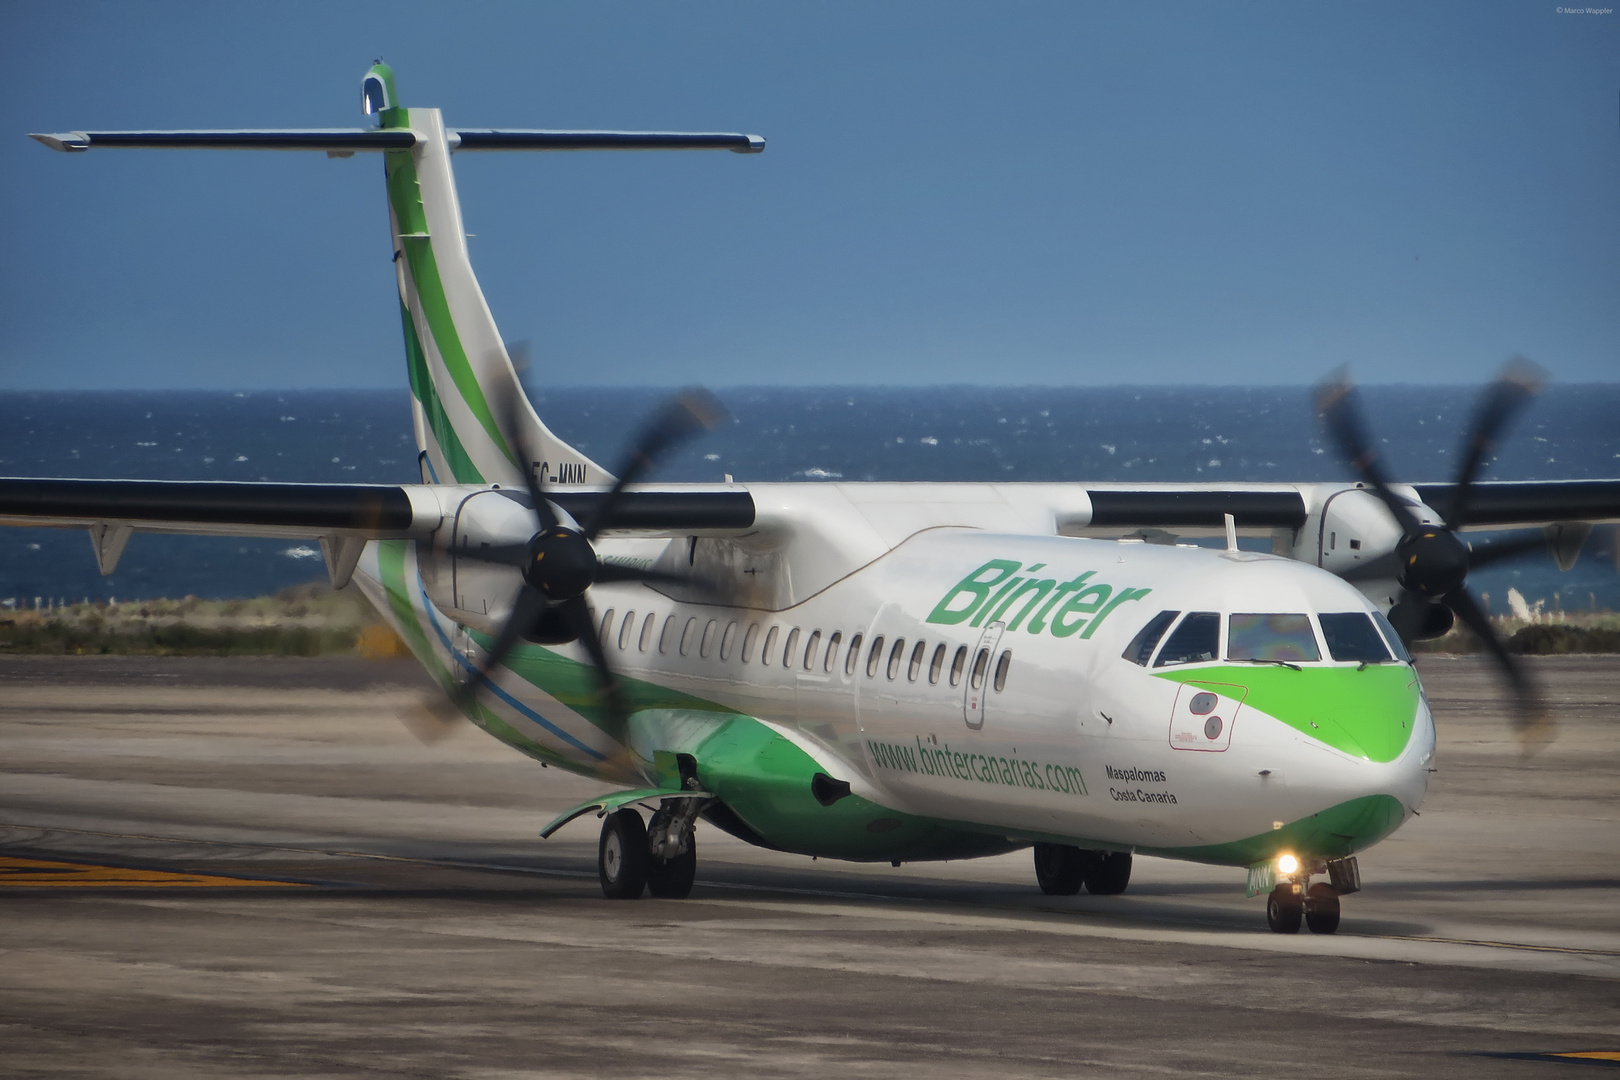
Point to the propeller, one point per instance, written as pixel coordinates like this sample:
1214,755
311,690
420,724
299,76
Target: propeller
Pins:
1430,562
559,562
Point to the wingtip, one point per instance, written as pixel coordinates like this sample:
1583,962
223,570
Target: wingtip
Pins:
67,142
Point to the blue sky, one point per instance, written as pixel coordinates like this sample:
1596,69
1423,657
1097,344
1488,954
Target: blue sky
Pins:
1022,193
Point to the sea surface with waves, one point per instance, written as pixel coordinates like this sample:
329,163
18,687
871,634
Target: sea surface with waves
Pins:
781,434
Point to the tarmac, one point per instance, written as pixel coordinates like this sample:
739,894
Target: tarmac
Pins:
248,868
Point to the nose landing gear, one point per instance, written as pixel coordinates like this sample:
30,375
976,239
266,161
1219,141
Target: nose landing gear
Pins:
1294,900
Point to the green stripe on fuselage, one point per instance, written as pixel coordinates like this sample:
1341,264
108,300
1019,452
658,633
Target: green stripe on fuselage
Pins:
1333,833
1369,712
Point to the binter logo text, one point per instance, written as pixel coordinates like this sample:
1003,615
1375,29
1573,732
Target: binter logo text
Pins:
1037,604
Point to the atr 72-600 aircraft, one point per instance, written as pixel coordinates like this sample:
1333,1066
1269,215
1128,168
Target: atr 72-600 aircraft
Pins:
881,671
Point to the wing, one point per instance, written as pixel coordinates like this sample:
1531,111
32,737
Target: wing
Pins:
341,516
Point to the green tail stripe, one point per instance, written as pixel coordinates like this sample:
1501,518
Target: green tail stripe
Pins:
405,196
436,308
462,469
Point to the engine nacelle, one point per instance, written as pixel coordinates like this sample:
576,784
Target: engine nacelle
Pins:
1349,526
472,592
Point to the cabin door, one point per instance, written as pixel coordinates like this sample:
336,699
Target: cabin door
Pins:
977,684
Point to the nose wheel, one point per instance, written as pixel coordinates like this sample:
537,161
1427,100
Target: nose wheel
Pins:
1322,908
1291,904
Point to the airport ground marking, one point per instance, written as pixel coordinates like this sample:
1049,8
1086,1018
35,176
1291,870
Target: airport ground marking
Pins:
17,872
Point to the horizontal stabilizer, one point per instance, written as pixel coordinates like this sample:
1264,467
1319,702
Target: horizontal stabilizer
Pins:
348,140
513,139
332,140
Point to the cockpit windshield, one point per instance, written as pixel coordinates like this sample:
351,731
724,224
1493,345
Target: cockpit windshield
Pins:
1197,639
1351,635
1285,638
1282,638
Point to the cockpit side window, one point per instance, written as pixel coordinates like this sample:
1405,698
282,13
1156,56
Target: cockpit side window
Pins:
1287,638
1140,650
1198,638
1352,636
1395,643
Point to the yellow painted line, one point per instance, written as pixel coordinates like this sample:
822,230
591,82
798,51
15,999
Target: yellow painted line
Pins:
39,873
1590,1055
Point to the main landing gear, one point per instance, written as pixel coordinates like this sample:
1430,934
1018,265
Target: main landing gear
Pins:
660,858
1294,900
1062,869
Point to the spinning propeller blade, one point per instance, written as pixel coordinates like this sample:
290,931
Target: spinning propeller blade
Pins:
559,562
1429,561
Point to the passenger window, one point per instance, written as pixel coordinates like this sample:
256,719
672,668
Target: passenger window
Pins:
937,664
874,657
769,650
748,642
1001,670
852,657
980,663
832,650
958,663
917,654
1287,638
812,649
896,654
667,638
791,647
626,628
1140,650
728,641
604,634
1197,639
647,626
1352,636
687,635
1396,645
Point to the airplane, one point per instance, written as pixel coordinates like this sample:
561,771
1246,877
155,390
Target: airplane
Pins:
878,672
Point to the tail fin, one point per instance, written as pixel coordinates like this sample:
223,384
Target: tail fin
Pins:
458,364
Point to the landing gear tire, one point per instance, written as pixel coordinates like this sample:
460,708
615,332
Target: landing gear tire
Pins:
1284,909
1322,909
671,879
1060,869
622,859
1109,873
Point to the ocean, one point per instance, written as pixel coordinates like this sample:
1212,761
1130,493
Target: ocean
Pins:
965,433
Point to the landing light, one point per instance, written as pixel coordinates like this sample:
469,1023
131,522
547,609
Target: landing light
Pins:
1287,864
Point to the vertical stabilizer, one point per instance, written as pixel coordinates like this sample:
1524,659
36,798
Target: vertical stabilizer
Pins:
461,376
459,367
